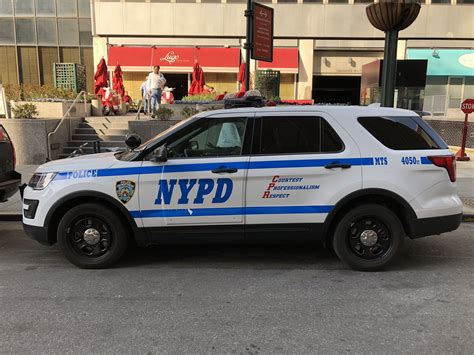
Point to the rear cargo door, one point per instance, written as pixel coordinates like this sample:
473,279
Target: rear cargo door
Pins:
6,155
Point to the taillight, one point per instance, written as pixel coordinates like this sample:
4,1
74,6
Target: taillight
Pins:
448,162
14,156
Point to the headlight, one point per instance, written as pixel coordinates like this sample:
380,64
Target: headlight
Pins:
39,181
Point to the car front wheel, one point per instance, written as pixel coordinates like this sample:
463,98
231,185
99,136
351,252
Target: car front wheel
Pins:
368,237
92,236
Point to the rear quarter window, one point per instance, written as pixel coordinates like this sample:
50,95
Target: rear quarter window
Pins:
403,132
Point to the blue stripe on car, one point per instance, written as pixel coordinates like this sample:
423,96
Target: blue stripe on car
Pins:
227,211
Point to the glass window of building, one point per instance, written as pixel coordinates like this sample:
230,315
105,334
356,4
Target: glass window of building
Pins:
211,1
84,8
363,1
47,56
87,58
45,8
313,1
68,32
455,88
28,65
7,34
85,32
8,74
69,55
468,2
67,8
25,31
287,1
6,8
47,32
24,8
441,2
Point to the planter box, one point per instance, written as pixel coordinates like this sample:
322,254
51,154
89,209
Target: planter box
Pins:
178,108
147,129
58,109
30,137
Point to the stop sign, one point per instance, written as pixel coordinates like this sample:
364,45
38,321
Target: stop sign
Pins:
467,106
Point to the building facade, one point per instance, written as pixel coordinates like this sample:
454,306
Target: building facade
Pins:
34,34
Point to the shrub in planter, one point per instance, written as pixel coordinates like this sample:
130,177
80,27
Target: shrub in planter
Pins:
28,111
189,111
164,113
199,97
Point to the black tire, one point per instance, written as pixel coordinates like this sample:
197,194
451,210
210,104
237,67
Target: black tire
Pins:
354,237
102,245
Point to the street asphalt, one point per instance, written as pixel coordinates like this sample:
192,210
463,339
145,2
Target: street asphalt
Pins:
237,300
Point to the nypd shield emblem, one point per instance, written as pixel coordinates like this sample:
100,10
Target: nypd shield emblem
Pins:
125,190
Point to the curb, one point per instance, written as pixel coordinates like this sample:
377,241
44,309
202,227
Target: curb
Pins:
14,217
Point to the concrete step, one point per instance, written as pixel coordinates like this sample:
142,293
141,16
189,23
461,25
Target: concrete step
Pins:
103,131
87,150
102,143
95,137
110,120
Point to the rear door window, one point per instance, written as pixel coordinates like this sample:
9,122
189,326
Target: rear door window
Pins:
297,135
403,132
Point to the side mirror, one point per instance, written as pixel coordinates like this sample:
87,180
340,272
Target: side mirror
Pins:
132,140
160,154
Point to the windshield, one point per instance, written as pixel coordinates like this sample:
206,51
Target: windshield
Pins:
131,154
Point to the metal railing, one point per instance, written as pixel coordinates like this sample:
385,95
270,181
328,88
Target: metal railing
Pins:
435,105
146,97
66,117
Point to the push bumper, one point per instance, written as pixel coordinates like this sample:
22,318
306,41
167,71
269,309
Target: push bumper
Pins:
422,227
40,234
9,187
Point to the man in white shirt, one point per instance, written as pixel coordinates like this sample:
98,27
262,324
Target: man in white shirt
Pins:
155,83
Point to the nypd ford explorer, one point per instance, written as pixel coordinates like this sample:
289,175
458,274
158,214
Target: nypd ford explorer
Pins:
358,179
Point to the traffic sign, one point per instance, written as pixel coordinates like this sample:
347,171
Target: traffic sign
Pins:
262,41
467,106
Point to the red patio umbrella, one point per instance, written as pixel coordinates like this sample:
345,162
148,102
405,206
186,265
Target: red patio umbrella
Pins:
241,77
101,78
117,81
198,82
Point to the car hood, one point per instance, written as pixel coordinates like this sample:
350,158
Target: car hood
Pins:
89,161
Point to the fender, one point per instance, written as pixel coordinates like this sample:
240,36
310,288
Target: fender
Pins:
91,194
406,220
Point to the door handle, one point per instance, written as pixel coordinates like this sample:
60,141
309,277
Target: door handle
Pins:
336,165
224,171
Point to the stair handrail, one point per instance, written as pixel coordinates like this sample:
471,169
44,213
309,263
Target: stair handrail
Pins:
65,117
146,97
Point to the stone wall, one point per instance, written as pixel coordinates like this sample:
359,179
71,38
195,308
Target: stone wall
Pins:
58,109
149,128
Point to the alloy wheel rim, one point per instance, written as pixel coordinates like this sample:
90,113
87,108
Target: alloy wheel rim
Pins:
90,236
369,238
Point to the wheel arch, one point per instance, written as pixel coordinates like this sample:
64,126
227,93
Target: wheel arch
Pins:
60,207
391,200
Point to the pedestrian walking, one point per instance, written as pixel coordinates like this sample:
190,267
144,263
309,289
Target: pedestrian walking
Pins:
156,82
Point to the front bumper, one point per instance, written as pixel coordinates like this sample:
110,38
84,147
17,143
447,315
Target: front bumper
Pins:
40,234
9,187
422,227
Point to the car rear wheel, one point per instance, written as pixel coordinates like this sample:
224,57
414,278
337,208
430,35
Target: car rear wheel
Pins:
92,236
368,237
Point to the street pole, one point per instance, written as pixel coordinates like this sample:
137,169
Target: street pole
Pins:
461,154
389,69
248,43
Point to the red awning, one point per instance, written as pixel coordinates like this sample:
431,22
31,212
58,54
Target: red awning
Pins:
284,59
179,59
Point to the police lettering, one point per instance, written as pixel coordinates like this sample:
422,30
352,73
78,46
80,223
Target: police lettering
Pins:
81,174
200,189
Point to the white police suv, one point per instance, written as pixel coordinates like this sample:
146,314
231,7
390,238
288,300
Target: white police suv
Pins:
358,179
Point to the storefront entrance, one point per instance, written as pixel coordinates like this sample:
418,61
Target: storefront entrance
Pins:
179,82
336,89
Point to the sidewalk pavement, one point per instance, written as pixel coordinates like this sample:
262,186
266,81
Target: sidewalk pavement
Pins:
465,186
